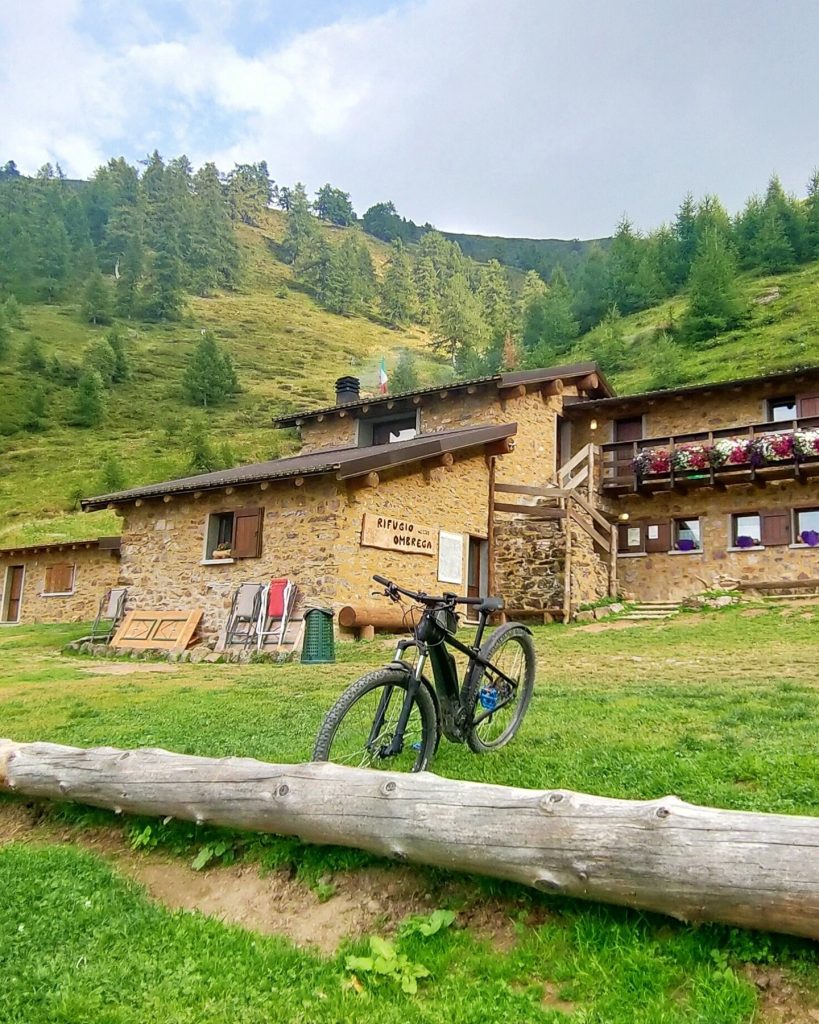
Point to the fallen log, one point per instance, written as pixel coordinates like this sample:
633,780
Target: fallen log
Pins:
693,863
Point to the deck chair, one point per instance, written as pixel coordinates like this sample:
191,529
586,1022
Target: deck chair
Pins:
243,618
109,615
275,611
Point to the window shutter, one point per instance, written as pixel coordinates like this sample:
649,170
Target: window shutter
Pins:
776,527
622,537
807,405
247,533
662,542
59,579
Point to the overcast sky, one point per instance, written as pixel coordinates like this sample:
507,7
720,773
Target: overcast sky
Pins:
543,118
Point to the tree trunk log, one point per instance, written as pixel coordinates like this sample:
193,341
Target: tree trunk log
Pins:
693,863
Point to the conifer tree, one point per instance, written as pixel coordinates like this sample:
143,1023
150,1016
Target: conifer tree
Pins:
334,206
623,265
5,332
715,303
250,191
214,255
37,409
88,407
459,330
31,359
209,376
496,301
301,225
97,301
404,376
549,325
99,356
122,369
684,230
591,288
398,298
112,476
426,289
771,251
812,218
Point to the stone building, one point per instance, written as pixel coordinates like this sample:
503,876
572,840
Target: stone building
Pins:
542,486
56,582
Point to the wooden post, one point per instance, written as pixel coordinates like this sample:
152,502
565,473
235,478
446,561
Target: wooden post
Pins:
693,863
567,561
490,528
613,563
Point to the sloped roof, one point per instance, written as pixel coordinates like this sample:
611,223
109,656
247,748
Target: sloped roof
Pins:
345,463
102,543
500,380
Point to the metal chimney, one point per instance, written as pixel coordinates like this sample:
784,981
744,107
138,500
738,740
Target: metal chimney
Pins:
348,389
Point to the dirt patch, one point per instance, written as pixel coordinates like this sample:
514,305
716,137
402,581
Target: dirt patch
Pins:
123,668
604,627
753,613
552,1001
781,999
361,903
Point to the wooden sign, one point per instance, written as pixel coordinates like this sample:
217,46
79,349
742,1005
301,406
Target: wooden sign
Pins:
158,631
393,534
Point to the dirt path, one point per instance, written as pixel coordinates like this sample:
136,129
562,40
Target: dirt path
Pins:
362,902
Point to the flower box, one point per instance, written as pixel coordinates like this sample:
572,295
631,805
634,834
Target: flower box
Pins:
689,458
806,444
222,553
809,537
747,542
686,544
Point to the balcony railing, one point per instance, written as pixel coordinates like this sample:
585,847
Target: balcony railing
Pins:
714,458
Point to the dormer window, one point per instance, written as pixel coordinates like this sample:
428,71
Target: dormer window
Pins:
387,429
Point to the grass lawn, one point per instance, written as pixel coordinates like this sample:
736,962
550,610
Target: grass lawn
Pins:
720,709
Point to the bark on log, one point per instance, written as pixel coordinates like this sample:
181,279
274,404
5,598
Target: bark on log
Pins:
355,616
693,863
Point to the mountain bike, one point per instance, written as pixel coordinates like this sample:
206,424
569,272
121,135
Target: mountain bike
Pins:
394,717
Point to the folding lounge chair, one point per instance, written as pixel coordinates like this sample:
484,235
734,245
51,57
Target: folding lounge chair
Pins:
275,612
243,619
109,615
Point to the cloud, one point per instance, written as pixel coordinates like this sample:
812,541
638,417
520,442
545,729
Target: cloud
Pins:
523,117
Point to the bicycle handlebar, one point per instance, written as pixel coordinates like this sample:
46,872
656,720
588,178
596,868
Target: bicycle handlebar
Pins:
393,590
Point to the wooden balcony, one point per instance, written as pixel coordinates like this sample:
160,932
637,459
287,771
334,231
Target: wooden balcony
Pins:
620,477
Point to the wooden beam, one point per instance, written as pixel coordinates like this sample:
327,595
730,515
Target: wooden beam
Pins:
588,383
139,502
533,511
197,495
443,394
512,391
229,490
536,492
320,418
263,486
342,413
552,389
417,400
298,481
502,447
167,499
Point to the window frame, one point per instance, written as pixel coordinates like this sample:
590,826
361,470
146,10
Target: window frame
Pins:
778,400
675,537
795,531
231,515
734,535
622,530
366,427
209,547
45,592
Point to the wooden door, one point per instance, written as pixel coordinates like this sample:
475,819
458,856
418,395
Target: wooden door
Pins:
626,430
13,597
474,568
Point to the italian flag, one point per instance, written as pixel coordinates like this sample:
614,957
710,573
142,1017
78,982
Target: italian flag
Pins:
382,377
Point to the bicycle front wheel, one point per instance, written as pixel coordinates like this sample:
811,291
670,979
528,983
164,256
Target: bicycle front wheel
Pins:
359,729
497,700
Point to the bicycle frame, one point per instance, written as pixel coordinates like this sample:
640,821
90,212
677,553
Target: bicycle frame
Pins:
455,718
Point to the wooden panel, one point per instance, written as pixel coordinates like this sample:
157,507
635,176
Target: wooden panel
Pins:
59,579
247,533
808,405
538,511
14,582
776,527
662,540
398,535
536,492
629,429
152,630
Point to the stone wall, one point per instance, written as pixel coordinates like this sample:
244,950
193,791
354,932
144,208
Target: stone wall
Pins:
529,563
590,574
95,572
660,576
311,534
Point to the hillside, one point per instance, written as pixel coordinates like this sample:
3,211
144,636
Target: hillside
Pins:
541,254
287,350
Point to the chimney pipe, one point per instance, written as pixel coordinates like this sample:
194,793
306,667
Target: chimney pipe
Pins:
348,390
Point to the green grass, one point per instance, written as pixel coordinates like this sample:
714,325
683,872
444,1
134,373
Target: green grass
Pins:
779,335
720,709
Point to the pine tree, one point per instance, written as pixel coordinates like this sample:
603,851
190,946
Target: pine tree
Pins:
812,218
5,332
312,265
37,410
398,298
209,376
100,358
496,301
214,255
771,251
31,359
301,226
549,326
345,286
625,254
404,376
715,303
334,206
591,288
250,191
112,476
460,329
88,406
122,369
13,312
426,289
685,235
97,301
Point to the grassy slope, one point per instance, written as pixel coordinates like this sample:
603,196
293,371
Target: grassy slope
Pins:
286,348
778,336
720,709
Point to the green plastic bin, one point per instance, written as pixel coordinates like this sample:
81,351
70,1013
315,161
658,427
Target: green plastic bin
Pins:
319,643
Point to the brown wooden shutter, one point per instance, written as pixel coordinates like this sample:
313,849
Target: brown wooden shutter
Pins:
662,542
59,579
776,527
807,405
247,533
622,537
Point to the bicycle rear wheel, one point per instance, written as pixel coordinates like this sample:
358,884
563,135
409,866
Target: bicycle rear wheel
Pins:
496,706
359,728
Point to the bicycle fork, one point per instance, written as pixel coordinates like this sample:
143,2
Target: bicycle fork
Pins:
396,744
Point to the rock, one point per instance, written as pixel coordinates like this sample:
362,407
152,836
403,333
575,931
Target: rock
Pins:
603,612
584,616
197,655
616,608
723,601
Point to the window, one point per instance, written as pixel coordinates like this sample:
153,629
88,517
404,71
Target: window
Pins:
387,430
806,524
782,409
746,530
629,429
238,534
687,535
658,536
59,579
630,538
